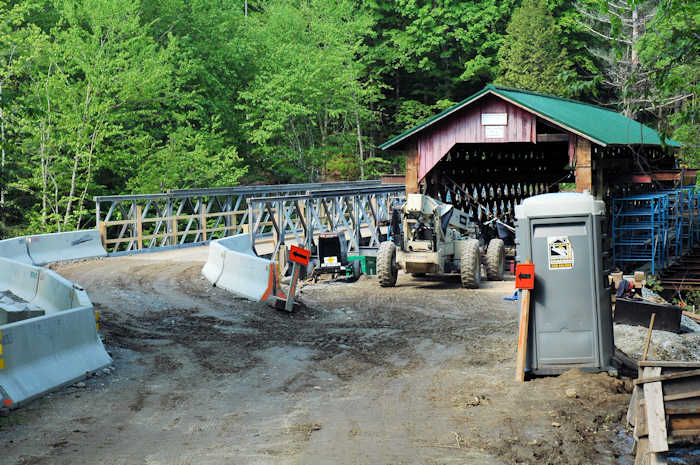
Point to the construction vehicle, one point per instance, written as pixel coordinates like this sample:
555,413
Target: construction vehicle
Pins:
428,236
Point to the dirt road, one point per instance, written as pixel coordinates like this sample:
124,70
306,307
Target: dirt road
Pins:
417,374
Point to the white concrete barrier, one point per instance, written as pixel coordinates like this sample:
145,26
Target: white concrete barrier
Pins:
48,352
20,279
233,265
54,293
15,249
42,353
215,262
74,245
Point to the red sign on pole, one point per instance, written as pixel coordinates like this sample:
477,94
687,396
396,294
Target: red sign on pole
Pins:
299,255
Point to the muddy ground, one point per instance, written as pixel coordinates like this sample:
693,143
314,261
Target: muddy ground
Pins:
417,374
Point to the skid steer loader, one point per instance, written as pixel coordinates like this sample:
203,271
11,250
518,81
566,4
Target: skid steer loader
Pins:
428,236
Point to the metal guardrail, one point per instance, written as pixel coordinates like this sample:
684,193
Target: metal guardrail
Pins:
299,217
191,216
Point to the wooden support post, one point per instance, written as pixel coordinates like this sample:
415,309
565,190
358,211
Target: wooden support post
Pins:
584,168
168,222
523,334
646,343
203,220
173,231
656,417
103,233
412,160
139,228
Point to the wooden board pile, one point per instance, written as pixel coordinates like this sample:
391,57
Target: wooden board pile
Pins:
665,408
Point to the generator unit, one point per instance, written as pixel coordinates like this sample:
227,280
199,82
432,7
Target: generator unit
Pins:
333,257
570,314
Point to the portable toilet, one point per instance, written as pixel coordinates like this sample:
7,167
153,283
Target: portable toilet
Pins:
570,314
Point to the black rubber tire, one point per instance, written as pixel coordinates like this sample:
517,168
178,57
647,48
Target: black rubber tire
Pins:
356,270
470,266
387,271
495,260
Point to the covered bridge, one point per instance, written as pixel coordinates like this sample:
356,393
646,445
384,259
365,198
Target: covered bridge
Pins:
501,145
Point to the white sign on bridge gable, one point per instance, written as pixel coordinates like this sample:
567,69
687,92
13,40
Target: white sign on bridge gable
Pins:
494,119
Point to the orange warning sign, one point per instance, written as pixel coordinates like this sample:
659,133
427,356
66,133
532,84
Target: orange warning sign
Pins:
299,255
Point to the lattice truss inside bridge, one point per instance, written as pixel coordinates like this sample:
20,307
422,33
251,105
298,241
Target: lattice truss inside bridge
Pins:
497,177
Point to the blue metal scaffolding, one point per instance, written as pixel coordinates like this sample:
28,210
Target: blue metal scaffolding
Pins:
655,229
639,232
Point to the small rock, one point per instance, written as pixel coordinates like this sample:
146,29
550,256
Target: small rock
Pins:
555,424
106,371
571,393
317,387
80,385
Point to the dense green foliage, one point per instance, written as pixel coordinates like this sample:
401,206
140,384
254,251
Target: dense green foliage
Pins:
132,96
532,56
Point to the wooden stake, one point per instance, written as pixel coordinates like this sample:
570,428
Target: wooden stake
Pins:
646,344
522,334
139,227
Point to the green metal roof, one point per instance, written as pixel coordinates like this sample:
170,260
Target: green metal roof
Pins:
604,127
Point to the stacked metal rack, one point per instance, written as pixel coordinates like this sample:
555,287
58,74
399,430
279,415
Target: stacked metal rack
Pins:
639,230
689,218
655,229
674,223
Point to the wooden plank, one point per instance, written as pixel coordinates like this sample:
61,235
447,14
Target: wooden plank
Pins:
641,429
682,395
653,379
632,408
523,334
648,340
683,411
584,170
139,228
552,138
169,218
692,315
412,161
203,220
642,452
669,364
687,432
656,417
103,233
684,423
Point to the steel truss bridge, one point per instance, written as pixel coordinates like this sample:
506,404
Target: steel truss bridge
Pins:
272,214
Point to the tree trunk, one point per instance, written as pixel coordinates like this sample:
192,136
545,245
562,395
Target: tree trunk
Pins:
2,152
359,143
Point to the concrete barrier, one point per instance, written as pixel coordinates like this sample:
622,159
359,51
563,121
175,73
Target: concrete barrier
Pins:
233,265
47,248
42,353
54,293
48,352
215,262
15,249
20,279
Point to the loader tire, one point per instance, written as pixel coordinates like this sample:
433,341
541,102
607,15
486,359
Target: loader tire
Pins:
356,270
387,271
470,268
495,260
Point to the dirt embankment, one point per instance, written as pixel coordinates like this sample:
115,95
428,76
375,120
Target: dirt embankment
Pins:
417,374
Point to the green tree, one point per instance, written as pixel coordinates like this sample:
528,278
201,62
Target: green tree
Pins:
311,93
531,56
670,53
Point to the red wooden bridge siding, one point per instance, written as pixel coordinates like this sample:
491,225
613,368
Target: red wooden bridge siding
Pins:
465,127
